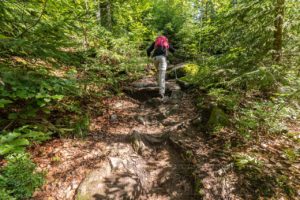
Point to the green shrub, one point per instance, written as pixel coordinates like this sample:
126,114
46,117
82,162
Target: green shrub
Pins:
17,140
247,162
4,195
18,179
201,75
263,117
217,119
255,177
224,98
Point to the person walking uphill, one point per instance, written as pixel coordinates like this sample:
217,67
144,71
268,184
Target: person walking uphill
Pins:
161,47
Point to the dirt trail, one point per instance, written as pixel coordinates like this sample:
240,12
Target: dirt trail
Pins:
127,155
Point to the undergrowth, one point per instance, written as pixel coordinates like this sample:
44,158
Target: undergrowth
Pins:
18,178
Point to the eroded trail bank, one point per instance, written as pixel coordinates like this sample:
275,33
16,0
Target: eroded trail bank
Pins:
131,152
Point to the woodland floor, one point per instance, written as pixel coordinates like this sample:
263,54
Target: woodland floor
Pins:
188,165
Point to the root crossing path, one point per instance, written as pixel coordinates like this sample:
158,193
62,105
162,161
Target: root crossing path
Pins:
132,153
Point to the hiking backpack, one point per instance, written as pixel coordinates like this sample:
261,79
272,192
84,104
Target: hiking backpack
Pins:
162,41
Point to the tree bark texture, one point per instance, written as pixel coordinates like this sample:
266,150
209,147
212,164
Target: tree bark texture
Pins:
98,11
109,18
278,33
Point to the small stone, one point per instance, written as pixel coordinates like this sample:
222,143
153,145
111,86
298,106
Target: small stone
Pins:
118,105
169,122
161,116
115,163
155,101
174,109
141,120
264,145
176,95
163,110
197,121
113,118
166,99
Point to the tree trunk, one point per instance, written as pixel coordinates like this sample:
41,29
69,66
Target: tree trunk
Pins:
206,9
84,29
85,37
109,19
98,11
200,9
278,33
212,10
87,5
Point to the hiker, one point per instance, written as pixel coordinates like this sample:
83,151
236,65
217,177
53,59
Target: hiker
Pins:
161,47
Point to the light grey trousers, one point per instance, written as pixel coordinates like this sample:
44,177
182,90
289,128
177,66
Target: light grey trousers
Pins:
160,63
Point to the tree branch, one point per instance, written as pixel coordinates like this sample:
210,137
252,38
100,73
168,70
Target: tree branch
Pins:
36,22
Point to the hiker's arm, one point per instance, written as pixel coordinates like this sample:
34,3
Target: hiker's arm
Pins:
150,49
171,49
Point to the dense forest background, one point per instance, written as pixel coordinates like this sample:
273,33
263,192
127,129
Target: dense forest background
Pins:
58,58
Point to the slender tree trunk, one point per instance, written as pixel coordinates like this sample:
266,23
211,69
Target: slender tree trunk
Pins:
85,31
200,9
206,9
212,10
36,22
85,38
87,5
98,11
109,19
278,33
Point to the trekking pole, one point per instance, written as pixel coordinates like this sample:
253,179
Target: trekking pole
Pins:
176,74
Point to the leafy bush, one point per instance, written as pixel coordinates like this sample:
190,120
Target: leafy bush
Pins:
247,162
17,140
224,98
259,178
255,178
18,178
263,117
4,195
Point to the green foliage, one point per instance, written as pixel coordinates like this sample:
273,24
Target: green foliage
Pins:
260,178
18,179
4,195
244,161
17,140
243,84
185,72
190,69
234,47
292,154
4,102
256,179
263,117
283,182
224,98
59,57
217,119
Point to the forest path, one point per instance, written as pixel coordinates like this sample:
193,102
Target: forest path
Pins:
141,163
134,150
